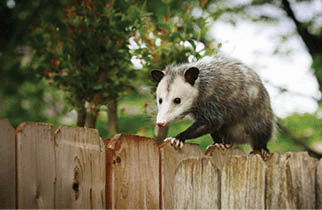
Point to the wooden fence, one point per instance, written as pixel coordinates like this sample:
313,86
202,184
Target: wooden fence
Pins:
72,167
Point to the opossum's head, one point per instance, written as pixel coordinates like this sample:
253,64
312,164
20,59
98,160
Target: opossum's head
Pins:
176,94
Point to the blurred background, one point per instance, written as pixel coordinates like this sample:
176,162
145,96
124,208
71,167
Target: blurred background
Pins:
87,62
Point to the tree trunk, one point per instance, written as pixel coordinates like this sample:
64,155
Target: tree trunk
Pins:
160,133
112,126
91,116
81,115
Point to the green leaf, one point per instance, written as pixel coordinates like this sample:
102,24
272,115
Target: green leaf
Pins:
97,86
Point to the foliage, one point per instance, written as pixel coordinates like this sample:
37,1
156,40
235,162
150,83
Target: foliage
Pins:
86,51
172,34
24,98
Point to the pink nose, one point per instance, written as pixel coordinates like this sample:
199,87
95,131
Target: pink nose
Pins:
161,124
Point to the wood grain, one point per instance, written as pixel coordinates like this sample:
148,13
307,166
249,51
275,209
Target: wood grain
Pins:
80,166
277,196
220,157
133,179
197,185
301,179
7,165
35,166
319,185
243,183
170,159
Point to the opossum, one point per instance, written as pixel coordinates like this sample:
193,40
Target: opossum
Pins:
225,98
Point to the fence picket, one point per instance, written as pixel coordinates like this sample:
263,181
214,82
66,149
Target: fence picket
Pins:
301,179
170,159
243,183
80,157
7,166
256,172
35,166
277,196
197,185
132,173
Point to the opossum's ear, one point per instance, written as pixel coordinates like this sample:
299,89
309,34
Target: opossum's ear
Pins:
191,75
157,75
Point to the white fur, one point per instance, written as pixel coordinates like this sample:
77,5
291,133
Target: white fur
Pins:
168,111
253,92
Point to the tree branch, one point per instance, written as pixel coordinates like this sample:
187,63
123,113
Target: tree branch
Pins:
312,42
298,141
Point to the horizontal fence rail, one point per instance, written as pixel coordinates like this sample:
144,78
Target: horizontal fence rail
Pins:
72,167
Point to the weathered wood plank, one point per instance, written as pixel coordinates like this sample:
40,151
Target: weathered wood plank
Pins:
35,166
7,165
243,183
170,158
256,171
301,179
80,168
319,185
197,185
277,196
132,173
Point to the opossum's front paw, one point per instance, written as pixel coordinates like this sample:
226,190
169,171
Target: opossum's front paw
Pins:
263,153
220,146
176,143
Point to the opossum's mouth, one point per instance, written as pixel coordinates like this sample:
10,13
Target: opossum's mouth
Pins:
167,122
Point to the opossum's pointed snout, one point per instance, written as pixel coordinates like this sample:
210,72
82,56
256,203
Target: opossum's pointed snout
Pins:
161,124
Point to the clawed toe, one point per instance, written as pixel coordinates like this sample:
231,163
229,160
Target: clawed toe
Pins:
222,146
263,153
176,143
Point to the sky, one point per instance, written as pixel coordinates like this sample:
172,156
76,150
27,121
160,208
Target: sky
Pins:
255,43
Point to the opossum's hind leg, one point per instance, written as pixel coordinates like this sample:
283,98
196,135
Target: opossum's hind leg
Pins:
219,141
260,137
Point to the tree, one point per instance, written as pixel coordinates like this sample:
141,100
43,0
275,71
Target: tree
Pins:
24,97
173,35
311,35
85,52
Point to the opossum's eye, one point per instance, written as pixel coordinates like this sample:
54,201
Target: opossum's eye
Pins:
160,100
177,100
